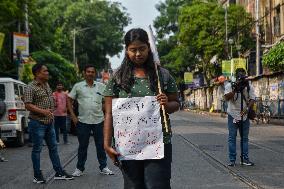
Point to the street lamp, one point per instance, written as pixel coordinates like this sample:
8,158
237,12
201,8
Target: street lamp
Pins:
226,29
239,47
231,42
74,32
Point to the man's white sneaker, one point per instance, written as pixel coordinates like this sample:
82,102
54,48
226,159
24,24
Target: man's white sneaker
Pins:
77,173
106,171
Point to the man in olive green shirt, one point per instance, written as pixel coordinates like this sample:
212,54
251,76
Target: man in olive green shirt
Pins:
89,95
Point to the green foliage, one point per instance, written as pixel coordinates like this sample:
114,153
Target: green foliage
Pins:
167,22
199,34
166,26
51,23
274,59
202,32
11,20
99,29
59,68
27,75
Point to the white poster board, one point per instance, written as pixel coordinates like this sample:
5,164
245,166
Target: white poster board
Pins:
137,128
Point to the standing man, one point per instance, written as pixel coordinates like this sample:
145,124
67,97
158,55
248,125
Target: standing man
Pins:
39,101
60,113
237,117
89,95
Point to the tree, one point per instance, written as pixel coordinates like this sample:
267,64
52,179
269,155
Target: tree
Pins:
11,20
53,31
274,59
167,22
166,26
59,68
201,36
105,21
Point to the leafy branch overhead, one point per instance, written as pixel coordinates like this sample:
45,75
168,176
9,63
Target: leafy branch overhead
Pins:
274,59
52,22
196,33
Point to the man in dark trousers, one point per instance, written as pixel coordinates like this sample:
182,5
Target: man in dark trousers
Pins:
60,112
89,95
39,101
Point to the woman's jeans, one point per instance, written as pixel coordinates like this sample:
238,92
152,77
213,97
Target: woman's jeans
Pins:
233,128
83,134
39,132
148,174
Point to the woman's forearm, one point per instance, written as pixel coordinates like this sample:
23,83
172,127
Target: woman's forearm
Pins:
108,130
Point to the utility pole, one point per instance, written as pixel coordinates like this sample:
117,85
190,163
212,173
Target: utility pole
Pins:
270,19
74,31
257,38
226,28
74,46
26,19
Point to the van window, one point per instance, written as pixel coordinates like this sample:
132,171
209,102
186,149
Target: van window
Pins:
21,90
16,89
2,92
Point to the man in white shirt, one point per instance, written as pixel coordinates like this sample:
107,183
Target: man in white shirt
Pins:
89,95
237,117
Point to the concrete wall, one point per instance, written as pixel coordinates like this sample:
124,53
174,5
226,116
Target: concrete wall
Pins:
267,88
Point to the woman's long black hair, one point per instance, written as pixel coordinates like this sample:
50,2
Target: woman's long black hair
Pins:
124,76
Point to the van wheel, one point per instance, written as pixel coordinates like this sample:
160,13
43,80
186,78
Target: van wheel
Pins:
20,140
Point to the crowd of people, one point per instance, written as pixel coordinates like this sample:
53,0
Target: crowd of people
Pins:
137,77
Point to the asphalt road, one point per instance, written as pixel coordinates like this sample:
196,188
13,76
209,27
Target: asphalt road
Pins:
199,160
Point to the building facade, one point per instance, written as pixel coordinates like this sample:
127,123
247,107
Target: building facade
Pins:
271,19
271,25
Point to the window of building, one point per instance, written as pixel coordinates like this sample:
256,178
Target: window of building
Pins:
276,20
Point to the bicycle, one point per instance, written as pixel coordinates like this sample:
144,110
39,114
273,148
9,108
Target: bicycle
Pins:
264,115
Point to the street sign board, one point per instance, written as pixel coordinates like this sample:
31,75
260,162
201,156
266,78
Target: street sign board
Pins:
226,67
236,63
188,77
21,42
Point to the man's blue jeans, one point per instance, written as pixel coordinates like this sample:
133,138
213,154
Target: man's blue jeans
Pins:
41,131
83,134
233,128
60,123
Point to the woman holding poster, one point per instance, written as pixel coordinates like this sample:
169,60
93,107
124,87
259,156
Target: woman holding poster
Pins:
136,136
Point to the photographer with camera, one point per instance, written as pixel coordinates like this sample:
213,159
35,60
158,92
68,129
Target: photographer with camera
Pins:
240,98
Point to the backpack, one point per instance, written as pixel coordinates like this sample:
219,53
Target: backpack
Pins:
165,78
251,111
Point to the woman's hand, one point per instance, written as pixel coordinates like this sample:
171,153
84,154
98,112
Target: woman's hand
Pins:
162,99
113,155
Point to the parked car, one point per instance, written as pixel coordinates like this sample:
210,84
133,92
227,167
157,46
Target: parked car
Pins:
13,115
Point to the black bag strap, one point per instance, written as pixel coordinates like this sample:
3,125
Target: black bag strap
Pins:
165,77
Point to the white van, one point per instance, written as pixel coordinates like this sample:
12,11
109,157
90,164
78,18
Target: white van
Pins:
13,115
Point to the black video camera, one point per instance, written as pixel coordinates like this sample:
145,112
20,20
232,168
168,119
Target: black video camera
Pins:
240,84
